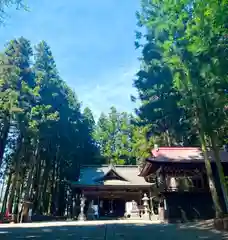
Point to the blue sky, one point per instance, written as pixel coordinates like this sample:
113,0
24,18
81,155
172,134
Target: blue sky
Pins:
92,42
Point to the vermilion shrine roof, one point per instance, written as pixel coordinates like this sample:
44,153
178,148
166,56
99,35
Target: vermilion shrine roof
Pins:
183,155
178,155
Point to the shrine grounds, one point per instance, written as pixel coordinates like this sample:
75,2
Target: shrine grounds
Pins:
110,230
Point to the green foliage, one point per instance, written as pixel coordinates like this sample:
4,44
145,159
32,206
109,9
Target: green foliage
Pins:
191,39
44,135
4,4
160,109
123,139
113,135
141,143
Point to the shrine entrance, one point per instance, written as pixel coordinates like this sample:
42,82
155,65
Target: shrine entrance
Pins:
116,202
111,200
112,208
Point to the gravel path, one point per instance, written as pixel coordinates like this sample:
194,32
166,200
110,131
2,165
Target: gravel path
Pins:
109,230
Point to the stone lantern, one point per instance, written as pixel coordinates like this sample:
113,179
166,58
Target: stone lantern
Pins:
145,200
81,216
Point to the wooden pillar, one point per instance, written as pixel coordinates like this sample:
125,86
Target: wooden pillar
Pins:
161,210
140,199
98,205
202,181
163,176
151,202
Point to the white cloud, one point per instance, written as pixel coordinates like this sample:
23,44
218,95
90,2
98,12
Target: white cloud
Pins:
113,89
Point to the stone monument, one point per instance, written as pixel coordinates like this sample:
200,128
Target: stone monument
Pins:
134,211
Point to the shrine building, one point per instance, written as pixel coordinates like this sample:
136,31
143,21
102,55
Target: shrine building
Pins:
111,187
180,178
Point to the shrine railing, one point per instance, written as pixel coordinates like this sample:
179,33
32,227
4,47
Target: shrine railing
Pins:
187,189
163,186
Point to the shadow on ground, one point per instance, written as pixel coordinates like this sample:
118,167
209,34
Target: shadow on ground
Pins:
117,231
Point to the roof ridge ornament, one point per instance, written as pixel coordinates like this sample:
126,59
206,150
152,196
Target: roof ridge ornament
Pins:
156,148
111,166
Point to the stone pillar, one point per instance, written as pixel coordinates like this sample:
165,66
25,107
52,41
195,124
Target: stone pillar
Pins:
67,210
74,206
71,201
151,204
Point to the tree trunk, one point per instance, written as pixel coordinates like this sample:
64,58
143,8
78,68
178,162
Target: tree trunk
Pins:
168,138
48,195
12,193
3,186
20,195
3,137
58,181
211,181
30,177
29,184
51,198
39,198
220,171
15,175
28,189
4,203
16,200
36,186
54,183
44,192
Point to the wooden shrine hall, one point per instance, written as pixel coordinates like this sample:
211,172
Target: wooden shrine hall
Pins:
181,182
110,188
